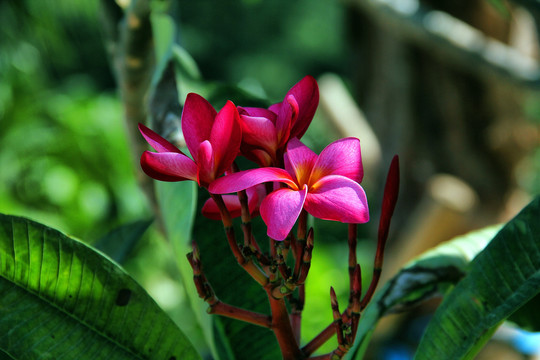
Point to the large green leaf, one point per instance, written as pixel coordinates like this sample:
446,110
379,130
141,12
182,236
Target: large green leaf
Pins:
502,278
60,299
429,274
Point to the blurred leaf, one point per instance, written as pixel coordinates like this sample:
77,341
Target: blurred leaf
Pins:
430,274
502,278
220,93
188,77
164,33
178,201
119,243
60,298
186,64
165,109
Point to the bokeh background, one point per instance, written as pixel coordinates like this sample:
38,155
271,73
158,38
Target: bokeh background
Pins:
418,79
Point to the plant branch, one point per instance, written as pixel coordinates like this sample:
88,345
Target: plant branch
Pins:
233,312
319,340
283,330
352,251
216,306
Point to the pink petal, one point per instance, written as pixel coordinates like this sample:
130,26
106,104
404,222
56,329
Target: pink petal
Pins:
205,164
255,196
337,198
197,120
299,160
248,178
306,94
156,141
257,112
342,157
226,137
259,156
211,210
275,108
280,210
168,166
259,131
287,115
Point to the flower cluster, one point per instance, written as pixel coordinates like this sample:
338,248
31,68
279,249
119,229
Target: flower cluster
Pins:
289,182
290,177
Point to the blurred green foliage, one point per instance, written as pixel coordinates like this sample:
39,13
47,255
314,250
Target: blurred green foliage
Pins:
266,46
63,152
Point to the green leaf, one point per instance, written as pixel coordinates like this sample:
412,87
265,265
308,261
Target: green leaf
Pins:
164,33
502,278
119,243
429,274
62,299
187,73
527,317
185,63
178,201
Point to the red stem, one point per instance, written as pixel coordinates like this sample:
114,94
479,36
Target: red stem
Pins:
352,252
319,340
223,309
391,191
283,330
248,265
296,312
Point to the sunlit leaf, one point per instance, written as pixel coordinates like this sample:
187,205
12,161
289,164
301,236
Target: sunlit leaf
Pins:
62,299
502,278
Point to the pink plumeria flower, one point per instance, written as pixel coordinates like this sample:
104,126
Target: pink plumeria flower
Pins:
265,132
213,139
326,186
